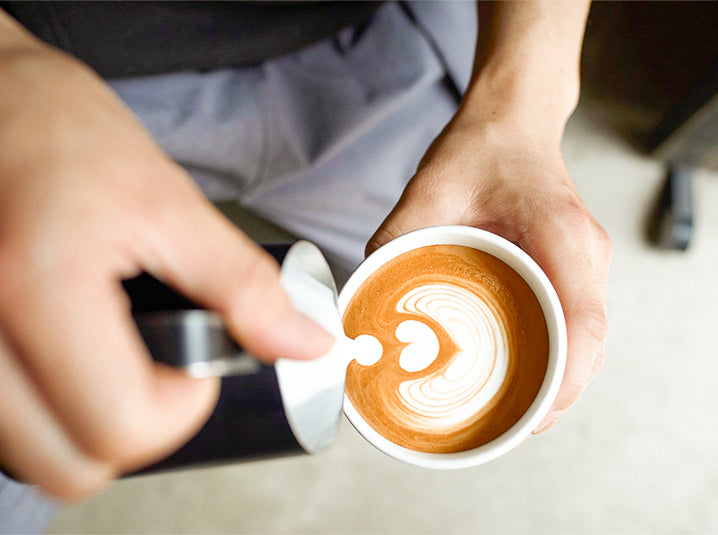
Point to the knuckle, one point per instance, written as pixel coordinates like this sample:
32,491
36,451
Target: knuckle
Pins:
598,363
258,290
568,208
576,222
559,207
575,216
602,237
144,210
260,273
145,213
260,304
593,318
603,243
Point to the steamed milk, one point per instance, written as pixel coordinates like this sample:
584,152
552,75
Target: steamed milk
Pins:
456,348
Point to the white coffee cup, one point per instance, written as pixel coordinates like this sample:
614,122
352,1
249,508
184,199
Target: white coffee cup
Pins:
539,283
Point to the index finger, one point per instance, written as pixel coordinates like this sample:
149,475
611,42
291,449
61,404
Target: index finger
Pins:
204,256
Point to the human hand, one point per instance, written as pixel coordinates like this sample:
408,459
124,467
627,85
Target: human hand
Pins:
86,200
508,176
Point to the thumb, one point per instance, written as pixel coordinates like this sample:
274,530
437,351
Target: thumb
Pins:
416,209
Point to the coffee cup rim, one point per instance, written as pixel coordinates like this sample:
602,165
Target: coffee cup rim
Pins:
541,286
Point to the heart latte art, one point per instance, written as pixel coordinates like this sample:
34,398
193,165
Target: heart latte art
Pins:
452,348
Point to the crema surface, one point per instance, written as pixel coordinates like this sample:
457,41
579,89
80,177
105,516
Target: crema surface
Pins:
462,348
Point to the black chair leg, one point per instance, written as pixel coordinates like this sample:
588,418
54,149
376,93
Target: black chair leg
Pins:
671,222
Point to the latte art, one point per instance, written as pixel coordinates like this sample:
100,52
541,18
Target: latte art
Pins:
460,348
423,345
477,370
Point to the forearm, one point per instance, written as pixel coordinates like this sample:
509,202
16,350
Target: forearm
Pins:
527,61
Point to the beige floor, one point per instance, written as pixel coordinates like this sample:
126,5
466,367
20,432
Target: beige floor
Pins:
638,454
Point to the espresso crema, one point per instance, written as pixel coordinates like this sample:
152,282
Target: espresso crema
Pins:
455,348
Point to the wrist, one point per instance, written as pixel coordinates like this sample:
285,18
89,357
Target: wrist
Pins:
535,102
527,63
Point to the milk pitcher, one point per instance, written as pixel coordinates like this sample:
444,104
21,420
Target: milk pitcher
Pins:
263,410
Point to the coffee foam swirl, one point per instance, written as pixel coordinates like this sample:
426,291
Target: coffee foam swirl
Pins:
463,386
460,346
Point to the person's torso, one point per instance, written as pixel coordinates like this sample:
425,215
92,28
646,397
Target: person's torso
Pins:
120,39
